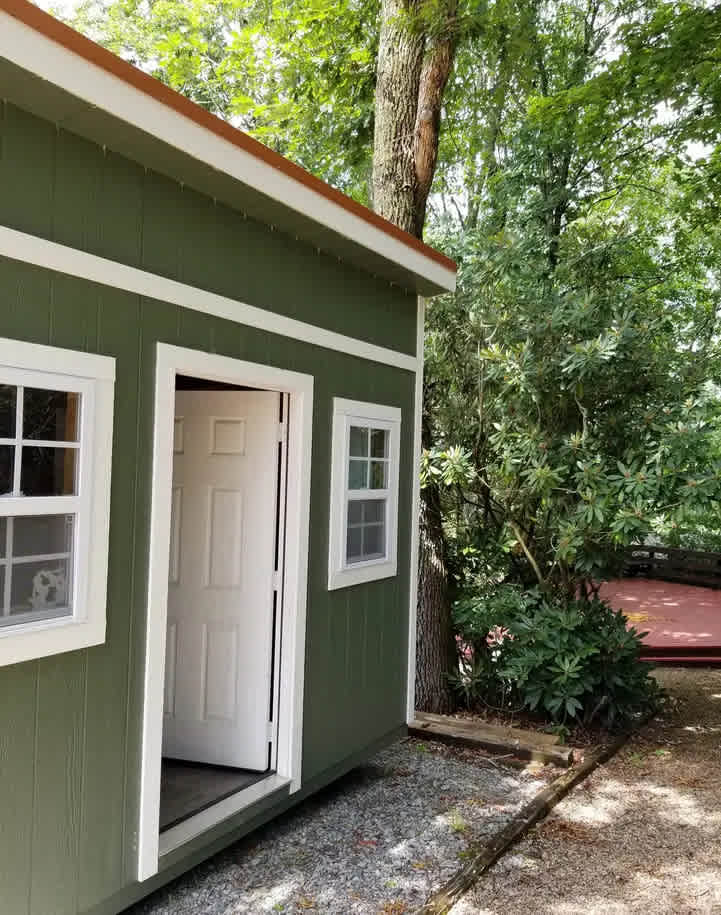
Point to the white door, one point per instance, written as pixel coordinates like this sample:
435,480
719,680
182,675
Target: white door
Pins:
222,559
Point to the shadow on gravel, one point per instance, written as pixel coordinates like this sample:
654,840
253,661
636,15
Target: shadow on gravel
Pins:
376,841
643,834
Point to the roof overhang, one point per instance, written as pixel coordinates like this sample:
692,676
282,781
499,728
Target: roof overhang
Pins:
56,73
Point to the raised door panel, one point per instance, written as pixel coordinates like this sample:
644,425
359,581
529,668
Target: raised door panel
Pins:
220,599
224,538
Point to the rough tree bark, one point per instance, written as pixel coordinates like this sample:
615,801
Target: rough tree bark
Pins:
412,73
400,58
435,70
435,645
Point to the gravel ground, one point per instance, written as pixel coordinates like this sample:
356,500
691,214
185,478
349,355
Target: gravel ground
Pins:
377,841
641,835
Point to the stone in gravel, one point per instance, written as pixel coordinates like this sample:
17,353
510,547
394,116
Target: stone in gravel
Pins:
378,841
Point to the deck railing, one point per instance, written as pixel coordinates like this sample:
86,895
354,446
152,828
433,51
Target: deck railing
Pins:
668,564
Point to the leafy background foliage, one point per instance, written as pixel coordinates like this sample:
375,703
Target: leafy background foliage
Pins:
572,381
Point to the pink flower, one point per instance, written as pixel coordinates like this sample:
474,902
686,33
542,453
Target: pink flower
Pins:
464,649
498,634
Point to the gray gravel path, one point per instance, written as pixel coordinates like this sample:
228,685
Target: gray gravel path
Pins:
641,835
378,841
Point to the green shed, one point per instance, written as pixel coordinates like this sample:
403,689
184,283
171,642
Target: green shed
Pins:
210,384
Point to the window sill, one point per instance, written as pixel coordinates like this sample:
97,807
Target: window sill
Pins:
48,637
361,573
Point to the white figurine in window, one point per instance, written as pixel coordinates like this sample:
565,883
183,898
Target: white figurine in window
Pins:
48,589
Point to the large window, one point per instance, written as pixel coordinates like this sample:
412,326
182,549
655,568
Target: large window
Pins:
364,492
55,444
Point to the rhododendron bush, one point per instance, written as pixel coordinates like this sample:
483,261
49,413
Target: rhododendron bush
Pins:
573,662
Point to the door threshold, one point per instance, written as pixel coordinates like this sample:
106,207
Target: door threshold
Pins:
192,827
187,788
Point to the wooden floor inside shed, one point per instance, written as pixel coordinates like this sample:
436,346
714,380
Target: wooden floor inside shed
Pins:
186,788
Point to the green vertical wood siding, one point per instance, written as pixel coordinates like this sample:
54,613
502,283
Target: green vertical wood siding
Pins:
70,725
58,186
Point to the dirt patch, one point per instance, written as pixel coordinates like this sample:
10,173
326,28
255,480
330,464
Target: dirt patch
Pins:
643,834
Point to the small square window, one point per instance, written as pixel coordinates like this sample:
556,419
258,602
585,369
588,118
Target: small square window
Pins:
358,474
379,443
8,394
366,443
47,471
358,446
51,416
7,468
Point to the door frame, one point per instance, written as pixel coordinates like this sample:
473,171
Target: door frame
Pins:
171,361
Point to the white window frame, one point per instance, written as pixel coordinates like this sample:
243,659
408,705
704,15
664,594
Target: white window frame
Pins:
347,413
92,376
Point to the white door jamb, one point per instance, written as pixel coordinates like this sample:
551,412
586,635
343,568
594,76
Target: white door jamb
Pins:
172,361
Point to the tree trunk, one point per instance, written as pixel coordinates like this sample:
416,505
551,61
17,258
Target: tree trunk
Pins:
435,70
435,645
412,73
400,57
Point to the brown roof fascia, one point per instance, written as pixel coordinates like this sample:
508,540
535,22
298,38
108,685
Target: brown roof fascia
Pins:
57,31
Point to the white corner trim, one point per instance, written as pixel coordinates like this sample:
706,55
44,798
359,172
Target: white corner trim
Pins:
345,412
172,360
415,515
49,60
30,249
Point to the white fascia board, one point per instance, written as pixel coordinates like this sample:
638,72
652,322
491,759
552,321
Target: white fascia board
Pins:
49,60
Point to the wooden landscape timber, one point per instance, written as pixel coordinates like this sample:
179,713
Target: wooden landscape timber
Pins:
530,745
483,855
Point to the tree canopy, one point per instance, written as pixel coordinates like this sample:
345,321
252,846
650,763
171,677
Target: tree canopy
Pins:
572,382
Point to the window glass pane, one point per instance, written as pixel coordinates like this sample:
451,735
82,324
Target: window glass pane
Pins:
8,400
366,537
40,535
50,415
3,541
7,464
374,510
358,475
379,442
353,547
379,473
374,536
40,586
355,512
48,471
358,441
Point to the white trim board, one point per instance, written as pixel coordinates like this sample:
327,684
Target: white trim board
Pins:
40,252
415,515
38,54
172,360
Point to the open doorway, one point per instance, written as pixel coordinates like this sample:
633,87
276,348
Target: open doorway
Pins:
224,604
230,526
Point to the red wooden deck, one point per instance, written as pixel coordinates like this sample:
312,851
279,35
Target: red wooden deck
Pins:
683,621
